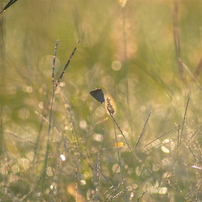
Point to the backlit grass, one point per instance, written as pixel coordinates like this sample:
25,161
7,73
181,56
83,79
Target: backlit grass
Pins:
58,143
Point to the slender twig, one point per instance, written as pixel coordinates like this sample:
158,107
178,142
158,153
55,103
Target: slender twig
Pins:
67,64
48,140
162,135
177,38
54,61
118,152
126,141
20,138
188,70
199,129
8,5
125,52
185,116
181,129
54,85
143,130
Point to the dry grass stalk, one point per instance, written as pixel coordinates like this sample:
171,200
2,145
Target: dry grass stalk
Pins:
110,105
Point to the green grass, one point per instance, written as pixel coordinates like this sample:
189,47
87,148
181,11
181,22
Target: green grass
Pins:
150,150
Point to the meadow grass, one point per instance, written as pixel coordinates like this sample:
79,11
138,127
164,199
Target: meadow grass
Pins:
58,143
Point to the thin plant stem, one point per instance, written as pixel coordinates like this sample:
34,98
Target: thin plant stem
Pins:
54,85
143,130
8,5
54,61
176,36
67,64
185,115
192,76
119,155
162,135
181,132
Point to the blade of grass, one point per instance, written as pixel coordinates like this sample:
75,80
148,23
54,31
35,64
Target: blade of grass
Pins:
67,64
162,135
192,76
49,119
8,5
143,131
176,36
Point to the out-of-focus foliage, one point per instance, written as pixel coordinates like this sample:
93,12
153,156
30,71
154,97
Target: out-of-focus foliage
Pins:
146,56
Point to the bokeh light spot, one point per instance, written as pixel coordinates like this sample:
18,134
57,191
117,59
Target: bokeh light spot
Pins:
27,89
15,169
49,171
98,137
63,157
83,124
41,105
23,113
24,163
165,150
116,65
83,182
163,190
30,155
116,168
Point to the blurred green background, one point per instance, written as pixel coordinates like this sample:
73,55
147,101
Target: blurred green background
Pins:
128,50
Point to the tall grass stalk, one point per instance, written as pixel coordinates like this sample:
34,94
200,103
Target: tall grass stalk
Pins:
54,86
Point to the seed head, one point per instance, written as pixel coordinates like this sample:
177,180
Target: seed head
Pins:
110,105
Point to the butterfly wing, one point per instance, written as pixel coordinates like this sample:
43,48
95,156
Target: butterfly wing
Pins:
98,95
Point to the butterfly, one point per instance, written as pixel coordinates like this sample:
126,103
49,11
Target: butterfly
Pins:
98,95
